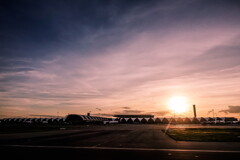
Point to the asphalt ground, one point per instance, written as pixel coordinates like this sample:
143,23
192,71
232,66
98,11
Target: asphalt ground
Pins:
114,142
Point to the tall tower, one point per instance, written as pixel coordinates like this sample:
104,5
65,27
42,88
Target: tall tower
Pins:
194,111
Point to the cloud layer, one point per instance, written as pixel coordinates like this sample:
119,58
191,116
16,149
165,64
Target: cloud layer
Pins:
98,57
231,109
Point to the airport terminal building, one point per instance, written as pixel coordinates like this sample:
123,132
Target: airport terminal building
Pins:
122,119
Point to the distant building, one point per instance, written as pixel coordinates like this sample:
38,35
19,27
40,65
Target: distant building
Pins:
126,119
81,119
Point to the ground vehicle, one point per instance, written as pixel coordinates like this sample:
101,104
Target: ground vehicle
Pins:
110,122
29,121
44,121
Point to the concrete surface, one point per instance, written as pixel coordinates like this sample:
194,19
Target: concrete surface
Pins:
114,140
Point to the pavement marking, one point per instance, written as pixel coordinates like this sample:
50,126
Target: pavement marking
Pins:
122,148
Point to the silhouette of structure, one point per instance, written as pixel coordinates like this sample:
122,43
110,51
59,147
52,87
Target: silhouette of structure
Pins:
84,119
194,111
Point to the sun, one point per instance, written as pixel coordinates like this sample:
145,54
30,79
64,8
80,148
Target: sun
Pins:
178,104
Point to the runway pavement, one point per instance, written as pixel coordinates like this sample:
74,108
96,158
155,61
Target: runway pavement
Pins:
115,141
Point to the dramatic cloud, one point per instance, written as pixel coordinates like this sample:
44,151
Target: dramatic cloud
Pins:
231,109
73,57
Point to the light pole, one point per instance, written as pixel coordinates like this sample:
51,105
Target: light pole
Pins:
213,112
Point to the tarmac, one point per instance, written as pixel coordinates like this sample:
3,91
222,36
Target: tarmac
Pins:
115,142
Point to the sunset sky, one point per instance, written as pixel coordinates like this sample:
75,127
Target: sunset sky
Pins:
119,57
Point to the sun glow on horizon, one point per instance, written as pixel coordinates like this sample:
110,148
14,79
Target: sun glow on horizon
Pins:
178,104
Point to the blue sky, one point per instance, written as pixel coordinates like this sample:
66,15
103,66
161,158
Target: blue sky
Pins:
118,56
